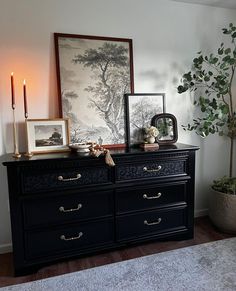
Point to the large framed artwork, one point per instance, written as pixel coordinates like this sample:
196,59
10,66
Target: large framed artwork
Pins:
93,74
140,109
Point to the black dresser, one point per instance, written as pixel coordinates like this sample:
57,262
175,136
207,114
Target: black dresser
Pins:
66,205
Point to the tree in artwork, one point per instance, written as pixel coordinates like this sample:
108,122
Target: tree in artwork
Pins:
109,65
67,96
141,113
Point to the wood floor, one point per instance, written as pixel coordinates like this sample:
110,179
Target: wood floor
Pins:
204,232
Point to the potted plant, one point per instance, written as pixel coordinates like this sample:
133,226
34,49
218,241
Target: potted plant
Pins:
211,79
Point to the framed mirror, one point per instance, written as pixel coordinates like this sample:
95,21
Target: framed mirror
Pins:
166,124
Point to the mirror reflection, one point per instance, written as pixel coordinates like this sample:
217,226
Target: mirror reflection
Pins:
167,126
166,129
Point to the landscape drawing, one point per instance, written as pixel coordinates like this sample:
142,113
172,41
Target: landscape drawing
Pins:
48,135
141,110
94,76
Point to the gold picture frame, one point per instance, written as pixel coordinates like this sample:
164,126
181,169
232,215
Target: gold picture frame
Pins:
47,135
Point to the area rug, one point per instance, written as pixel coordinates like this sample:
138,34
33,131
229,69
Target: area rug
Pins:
210,266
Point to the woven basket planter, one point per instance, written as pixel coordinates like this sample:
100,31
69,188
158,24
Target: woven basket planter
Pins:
222,211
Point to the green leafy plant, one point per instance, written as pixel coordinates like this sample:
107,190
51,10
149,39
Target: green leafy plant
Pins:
225,185
211,80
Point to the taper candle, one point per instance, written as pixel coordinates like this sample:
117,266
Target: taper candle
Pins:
12,92
25,100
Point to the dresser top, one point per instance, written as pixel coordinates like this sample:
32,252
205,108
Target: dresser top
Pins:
10,161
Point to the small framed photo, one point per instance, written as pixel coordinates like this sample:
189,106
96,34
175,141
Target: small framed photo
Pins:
47,135
140,108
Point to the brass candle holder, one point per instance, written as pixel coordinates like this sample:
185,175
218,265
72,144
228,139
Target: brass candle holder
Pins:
28,153
16,151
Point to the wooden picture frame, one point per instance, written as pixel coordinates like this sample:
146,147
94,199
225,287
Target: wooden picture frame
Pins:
93,74
47,135
140,108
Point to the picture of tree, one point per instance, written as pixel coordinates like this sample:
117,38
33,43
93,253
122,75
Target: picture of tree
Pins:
95,73
140,110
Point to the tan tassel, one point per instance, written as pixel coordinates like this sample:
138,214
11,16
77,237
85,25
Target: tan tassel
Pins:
108,158
96,153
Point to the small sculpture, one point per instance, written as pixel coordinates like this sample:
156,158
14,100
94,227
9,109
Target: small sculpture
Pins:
150,134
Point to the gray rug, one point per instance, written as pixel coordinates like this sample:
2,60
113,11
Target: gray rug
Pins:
210,266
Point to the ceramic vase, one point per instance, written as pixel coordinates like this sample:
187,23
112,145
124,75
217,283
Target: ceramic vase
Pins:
151,139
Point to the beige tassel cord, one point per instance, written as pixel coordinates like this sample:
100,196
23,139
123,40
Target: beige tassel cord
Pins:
100,150
108,158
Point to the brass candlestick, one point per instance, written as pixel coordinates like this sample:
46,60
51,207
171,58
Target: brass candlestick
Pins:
28,153
16,151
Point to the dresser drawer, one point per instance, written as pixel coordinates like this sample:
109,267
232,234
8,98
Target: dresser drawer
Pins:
79,237
142,198
69,207
151,169
64,205
150,223
58,179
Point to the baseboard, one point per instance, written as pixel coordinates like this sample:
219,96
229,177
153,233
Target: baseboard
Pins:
6,248
201,212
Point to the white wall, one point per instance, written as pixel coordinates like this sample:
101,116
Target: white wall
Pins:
166,35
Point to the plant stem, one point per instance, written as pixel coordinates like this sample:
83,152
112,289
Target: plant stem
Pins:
231,156
231,115
230,92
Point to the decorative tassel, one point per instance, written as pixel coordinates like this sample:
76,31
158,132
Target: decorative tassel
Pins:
97,152
108,158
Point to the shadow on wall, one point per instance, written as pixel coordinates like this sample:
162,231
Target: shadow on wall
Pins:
167,81
161,79
5,228
21,137
157,79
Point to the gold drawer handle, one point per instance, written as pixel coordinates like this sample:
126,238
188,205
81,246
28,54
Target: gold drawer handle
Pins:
152,223
145,169
62,237
62,209
60,178
152,197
